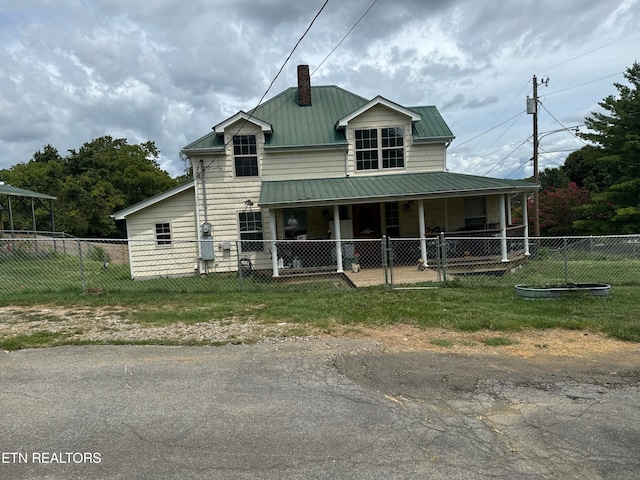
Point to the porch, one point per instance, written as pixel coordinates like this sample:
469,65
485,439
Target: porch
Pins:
358,212
400,260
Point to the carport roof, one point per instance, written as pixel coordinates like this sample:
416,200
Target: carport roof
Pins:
405,186
6,189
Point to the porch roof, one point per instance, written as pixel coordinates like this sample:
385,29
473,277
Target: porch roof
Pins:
404,186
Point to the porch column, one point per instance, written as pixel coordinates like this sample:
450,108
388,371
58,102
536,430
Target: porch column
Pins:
503,228
338,237
423,231
525,222
274,246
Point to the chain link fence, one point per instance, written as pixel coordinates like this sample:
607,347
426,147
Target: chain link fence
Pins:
47,264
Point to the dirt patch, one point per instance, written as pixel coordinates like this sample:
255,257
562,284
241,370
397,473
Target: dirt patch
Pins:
526,343
108,325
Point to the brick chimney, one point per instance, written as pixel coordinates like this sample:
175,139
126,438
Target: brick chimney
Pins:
304,86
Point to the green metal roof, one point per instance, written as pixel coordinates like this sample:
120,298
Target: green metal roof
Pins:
12,191
315,125
385,187
431,126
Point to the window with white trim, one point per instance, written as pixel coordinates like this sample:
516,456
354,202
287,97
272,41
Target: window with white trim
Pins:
163,234
379,148
251,232
245,155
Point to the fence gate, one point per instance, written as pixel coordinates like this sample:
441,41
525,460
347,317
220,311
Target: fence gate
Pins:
415,263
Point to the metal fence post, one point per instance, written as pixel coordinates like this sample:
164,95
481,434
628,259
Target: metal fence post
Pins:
383,246
390,255
443,256
240,279
566,264
81,264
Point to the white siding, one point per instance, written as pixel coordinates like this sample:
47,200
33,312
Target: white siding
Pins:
300,165
226,195
150,260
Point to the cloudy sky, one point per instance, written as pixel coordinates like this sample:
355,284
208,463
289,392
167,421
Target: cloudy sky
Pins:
168,70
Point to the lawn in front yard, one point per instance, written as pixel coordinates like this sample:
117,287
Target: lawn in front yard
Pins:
457,308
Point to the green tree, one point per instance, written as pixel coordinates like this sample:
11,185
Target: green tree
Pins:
616,132
90,184
585,168
553,178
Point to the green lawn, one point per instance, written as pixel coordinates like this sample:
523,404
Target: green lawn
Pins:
467,304
458,308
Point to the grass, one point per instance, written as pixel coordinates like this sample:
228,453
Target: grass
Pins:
36,339
499,341
468,304
464,309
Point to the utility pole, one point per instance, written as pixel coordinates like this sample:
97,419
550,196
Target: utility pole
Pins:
532,108
536,174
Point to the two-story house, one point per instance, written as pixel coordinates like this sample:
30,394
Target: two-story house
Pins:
313,163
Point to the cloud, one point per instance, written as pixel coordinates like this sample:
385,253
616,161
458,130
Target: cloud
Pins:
166,71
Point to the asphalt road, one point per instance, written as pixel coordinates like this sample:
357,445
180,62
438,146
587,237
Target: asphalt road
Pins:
315,409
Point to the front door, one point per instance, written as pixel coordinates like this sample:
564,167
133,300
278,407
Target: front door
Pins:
367,225
366,221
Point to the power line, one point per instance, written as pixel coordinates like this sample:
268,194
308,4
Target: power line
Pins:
516,96
583,84
501,161
591,51
293,50
568,129
519,114
345,37
558,91
273,81
501,135
521,166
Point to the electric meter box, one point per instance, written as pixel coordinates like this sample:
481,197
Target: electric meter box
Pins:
206,244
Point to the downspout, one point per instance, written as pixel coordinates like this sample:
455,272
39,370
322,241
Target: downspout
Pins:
346,163
204,191
201,263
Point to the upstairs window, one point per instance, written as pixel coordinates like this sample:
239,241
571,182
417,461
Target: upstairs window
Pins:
245,155
163,234
379,148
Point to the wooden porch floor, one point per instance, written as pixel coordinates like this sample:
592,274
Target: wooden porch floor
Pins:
369,277
409,274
